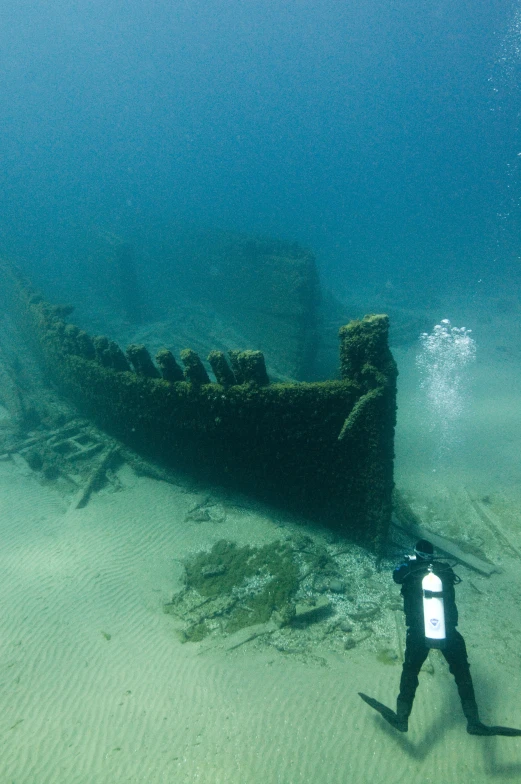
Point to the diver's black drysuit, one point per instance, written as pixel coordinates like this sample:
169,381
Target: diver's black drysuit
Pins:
410,575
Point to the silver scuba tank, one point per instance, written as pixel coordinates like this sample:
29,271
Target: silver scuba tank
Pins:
433,610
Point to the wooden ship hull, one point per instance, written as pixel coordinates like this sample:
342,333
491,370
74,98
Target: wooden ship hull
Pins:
323,449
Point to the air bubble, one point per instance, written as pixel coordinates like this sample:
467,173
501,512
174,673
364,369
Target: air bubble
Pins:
442,361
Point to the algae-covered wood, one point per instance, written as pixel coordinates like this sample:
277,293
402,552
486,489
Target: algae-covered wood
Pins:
322,449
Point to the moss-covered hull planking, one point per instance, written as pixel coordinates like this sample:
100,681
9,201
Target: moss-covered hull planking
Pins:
321,449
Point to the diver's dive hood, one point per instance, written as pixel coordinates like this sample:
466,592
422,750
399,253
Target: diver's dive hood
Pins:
424,549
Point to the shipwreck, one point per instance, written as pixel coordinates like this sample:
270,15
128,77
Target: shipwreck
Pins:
321,449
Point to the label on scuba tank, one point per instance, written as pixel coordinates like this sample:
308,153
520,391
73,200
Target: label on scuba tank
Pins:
433,611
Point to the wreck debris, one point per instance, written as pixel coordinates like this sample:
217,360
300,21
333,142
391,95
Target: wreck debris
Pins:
81,458
11,397
195,372
81,498
221,369
168,366
85,345
407,520
493,523
236,368
249,367
141,361
252,368
109,354
231,595
357,414
248,634
142,467
233,588
276,441
69,453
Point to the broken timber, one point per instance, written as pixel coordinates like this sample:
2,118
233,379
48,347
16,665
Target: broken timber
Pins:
322,449
405,519
492,522
82,496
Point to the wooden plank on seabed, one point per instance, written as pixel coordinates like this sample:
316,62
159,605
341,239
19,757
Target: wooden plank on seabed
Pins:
441,543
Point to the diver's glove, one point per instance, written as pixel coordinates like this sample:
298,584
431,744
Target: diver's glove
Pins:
392,718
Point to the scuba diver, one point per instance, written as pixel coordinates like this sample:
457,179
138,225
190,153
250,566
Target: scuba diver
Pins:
431,616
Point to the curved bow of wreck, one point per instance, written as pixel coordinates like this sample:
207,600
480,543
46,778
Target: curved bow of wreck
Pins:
322,449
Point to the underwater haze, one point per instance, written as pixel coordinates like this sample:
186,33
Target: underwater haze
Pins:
175,169
385,135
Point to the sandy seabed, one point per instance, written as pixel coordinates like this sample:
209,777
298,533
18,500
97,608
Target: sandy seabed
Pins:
97,688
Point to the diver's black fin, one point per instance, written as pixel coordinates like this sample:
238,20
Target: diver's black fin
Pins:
482,729
388,714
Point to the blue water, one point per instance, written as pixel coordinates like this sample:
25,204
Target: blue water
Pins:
385,135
